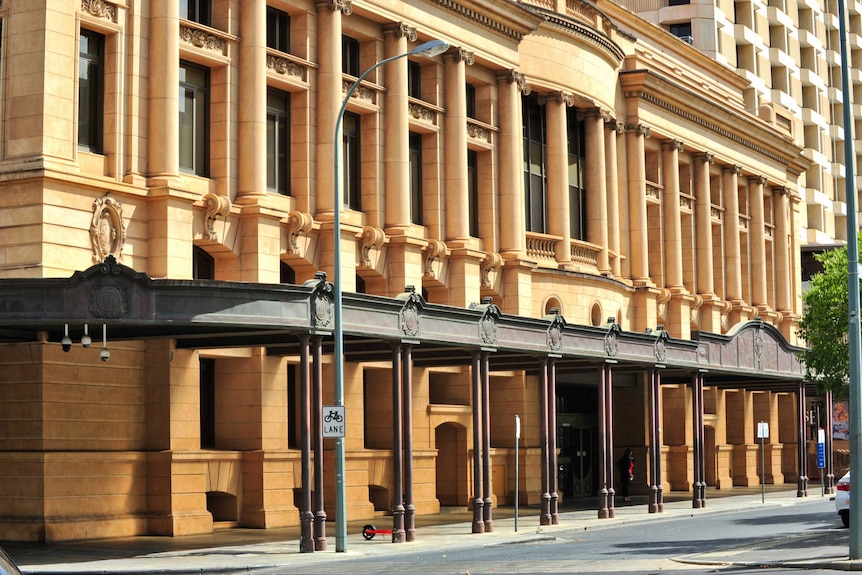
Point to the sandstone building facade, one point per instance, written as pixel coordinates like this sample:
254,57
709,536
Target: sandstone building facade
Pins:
569,216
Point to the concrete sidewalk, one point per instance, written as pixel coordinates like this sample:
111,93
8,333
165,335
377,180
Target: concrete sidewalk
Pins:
233,550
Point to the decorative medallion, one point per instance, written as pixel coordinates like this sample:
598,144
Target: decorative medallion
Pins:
108,299
611,340
107,229
555,333
321,310
488,323
410,314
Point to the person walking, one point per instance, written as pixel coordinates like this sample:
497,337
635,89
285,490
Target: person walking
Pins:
626,467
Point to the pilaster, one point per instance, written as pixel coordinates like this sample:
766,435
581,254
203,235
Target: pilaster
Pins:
559,211
252,102
511,84
456,191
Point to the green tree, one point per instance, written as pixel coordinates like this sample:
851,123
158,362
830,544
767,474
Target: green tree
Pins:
825,323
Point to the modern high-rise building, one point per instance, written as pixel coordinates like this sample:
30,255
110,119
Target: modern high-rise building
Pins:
790,54
567,219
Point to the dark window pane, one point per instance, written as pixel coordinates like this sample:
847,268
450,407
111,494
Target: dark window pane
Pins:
278,141
414,80
90,90
207,385
194,118
473,191
350,56
277,29
351,162
577,163
415,178
197,11
471,101
535,181
203,264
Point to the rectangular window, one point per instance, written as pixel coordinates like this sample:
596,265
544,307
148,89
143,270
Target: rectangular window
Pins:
350,56
473,191
577,164
91,89
207,385
278,141
471,101
535,162
277,30
682,31
414,80
351,161
199,11
415,178
194,118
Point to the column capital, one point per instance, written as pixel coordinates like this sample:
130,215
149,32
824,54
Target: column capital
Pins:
735,169
459,55
781,190
639,129
673,145
514,77
558,97
615,125
757,180
343,6
705,157
400,30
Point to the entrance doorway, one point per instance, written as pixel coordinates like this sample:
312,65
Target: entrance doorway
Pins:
578,448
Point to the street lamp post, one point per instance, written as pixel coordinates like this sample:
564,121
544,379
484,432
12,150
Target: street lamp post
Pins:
428,50
854,335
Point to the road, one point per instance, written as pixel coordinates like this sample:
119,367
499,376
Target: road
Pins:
655,547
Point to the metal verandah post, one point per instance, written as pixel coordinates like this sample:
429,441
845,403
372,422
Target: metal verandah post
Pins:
306,517
397,430
545,512
552,439
407,381
486,442
317,394
478,503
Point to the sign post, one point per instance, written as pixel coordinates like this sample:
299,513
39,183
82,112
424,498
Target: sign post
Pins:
821,456
332,422
517,441
762,434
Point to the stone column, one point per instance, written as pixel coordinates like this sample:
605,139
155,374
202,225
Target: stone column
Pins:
596,187
613,128
757,237
558,175
637,204
252,102
511,85
545,511
710,318
455,153
396,149
672,224
398,532
782,269
306,515
163,155
732,258
476,384
329,95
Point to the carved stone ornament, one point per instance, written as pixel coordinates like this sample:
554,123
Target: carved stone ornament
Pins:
297,223
555,333
107,229
201,39
108,298
611,340
410,315
433,251
758,349
215,206
372,238
492,262
488,322
98,8
322,302
660,347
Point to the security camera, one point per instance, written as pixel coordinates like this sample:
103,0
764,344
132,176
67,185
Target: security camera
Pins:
104,354
66,342
86,341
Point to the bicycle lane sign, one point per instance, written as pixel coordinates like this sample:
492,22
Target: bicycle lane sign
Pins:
332,421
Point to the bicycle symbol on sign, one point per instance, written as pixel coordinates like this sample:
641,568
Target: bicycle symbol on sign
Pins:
333,415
